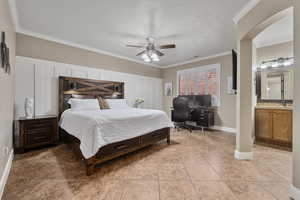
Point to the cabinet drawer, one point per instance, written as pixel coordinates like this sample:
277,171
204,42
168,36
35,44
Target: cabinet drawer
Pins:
153,137
41,131
119,146
38,138
38,124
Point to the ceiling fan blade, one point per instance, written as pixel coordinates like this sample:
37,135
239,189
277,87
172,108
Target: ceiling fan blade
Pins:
167,46
140,53
135,46
160,54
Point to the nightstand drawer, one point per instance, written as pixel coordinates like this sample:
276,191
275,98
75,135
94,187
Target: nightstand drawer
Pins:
36,139
35,132
42,131
38,124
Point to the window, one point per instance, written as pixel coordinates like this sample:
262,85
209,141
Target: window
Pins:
200,81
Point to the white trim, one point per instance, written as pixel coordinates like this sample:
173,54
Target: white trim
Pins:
73,44
245,10
225,129
6,172
272,43
198,59
243,155
294,192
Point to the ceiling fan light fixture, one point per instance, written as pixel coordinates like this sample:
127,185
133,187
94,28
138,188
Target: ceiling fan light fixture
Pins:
146,58
151,52
154,57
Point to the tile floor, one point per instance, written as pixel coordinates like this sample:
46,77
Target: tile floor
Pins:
193,167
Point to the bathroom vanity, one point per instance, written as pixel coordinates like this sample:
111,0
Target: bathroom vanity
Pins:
274,125
274,111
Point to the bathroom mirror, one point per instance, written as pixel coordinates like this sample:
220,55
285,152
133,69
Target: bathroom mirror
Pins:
275,84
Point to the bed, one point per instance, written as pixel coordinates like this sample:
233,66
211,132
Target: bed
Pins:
100,135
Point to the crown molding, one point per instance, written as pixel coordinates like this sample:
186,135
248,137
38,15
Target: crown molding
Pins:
76,45
245,10
266,44
198,59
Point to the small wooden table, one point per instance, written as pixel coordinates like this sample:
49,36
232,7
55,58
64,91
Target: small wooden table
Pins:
35,132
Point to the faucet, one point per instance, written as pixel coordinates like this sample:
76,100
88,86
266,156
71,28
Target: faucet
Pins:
283,102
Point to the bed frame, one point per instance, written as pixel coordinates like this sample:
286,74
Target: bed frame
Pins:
87,88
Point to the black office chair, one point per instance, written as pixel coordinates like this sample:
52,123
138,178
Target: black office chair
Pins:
181,112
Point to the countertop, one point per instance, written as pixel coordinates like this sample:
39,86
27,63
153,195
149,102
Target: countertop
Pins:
274,107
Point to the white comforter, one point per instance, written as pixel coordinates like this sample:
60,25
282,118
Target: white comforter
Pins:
97,128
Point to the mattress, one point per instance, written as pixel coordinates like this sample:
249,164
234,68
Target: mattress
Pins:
96,129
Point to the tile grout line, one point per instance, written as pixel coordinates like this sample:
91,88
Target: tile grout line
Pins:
192,182
158,180
221,180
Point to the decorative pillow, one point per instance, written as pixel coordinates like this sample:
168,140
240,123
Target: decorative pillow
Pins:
117,103
84,104
103,103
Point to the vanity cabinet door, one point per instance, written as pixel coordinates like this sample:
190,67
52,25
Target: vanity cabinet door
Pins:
263,124
282,126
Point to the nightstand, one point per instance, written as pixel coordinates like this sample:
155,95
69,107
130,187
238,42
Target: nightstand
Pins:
35,132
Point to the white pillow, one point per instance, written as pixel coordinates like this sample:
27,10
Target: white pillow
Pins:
84,104
117,103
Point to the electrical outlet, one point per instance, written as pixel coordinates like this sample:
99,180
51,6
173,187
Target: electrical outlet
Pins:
5,151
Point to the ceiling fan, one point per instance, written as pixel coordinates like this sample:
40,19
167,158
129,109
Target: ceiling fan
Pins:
151,52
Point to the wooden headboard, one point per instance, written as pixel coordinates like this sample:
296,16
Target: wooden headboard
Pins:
85,89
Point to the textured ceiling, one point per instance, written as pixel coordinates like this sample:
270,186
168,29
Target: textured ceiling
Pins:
198,27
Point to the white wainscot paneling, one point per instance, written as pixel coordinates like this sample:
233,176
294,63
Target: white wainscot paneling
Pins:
159,94
62,69
79,72
93,74
106,75
128,90
24,85
45,82
45,88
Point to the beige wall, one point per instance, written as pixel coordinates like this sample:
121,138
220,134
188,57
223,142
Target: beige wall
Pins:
6,87
296,131
47,50
284,50
226,112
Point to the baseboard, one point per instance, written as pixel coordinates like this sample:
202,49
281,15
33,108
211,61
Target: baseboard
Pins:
294,192
225,129
243,155
6,172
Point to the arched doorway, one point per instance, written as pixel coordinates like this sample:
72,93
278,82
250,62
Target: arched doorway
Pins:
259,18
